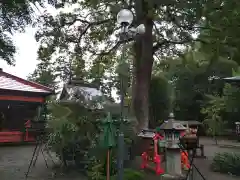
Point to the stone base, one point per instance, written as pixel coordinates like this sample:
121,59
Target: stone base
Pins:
172,177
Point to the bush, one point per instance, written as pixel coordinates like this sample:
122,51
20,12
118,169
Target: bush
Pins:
75,138
130,174
73,132
226,163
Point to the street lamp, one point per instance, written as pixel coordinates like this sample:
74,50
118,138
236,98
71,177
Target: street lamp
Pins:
124,19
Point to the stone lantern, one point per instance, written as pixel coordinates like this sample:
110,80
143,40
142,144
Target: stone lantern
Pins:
145,141
172,130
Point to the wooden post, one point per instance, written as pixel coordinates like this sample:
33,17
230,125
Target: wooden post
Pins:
108,164
27,126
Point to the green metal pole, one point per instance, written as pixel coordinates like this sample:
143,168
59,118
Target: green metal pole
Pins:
121,143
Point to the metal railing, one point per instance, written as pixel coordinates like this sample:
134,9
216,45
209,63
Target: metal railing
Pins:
195,174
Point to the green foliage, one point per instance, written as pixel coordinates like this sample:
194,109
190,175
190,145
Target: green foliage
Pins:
159,102
232,102
98,168
221,30
96,172
74,131
214,116
193,78
14,16
90,36
130,174
228,163
232,97
64,135
76,137
191,73
44,75
236,72
190,82
221,112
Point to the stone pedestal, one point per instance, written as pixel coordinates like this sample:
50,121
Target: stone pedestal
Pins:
171,177
173,162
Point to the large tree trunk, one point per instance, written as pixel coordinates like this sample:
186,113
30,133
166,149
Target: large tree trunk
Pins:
143,63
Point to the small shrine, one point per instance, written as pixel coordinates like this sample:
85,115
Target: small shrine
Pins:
172,131
190,139
20,100
89,96
151,159
86,94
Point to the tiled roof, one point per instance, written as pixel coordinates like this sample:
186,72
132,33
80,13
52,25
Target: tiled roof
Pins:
10,82
89,97
172,125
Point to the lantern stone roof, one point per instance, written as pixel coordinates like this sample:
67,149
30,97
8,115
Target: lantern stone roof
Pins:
147,133
172,125
190,123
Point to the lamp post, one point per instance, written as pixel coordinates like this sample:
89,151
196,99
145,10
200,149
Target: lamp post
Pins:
124,19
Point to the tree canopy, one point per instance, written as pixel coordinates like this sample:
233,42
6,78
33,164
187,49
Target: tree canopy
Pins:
14,16
83,42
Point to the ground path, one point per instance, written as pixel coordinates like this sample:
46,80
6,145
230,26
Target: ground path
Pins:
15,160
210,149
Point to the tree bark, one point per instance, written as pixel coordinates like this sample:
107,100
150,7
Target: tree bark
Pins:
143,63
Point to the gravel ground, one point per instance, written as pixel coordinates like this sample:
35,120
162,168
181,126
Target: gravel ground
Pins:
14,162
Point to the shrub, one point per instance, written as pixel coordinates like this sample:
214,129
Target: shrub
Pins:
130,174
75,138
226,163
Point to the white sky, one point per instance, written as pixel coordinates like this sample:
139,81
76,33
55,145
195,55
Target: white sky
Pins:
26,56
26,45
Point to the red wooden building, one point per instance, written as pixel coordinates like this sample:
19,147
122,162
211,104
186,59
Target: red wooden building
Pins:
19,101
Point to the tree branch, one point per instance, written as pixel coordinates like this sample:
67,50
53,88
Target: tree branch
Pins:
114,48
169,42
95,23
158,32
90,24
186,27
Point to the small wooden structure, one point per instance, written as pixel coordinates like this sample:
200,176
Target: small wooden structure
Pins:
19,102
145,141
86,94
190,140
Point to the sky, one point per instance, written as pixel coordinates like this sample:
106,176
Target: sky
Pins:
26,55
26,45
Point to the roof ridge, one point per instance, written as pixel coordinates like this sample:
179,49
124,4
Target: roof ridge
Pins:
25,82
